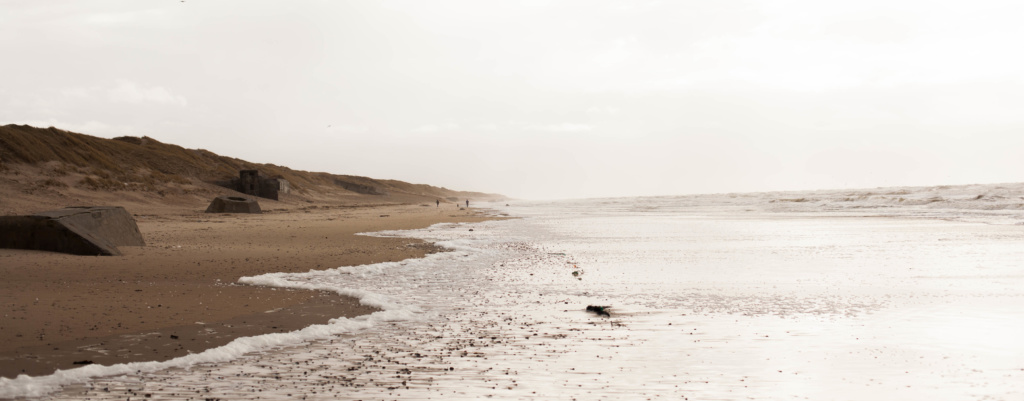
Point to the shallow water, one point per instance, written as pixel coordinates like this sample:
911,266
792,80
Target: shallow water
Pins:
705,306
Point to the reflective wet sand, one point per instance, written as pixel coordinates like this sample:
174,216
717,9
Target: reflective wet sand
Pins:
708,308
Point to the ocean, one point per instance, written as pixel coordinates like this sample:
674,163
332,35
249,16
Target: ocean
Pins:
915,294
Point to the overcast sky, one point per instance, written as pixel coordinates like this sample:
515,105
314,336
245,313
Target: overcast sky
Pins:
542,99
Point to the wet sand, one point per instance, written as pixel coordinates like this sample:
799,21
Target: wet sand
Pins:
178,294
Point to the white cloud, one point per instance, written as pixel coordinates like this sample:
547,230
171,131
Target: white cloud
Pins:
564,127
608,110
349,129
131,92
77,93
432,128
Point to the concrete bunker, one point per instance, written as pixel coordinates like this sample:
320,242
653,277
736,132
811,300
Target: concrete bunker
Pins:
254,183
251,182
233,204
81,230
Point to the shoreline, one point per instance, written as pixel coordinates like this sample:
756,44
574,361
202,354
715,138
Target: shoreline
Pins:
179,293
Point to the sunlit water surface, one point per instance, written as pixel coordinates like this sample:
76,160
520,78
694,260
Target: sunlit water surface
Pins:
704,306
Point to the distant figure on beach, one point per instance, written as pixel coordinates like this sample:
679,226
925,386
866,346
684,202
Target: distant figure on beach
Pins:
467,202
438,202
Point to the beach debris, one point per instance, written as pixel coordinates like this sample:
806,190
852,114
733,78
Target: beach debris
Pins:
599,310
82,362
577,273
83,230
470,229
233,204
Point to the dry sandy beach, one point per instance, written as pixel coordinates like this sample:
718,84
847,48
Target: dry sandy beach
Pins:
178,294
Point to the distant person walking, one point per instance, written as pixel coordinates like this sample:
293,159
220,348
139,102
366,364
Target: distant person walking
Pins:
438,203
467,202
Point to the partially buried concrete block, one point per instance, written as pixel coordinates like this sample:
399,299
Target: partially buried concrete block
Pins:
77,230
233,204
